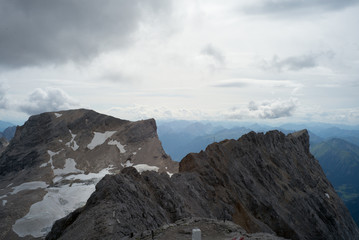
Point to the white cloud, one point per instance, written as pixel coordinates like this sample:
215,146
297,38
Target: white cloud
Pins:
295,63
270,109
214,53
3,99
46,100
249,82
136,112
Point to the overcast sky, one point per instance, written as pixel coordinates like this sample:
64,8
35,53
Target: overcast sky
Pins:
250,60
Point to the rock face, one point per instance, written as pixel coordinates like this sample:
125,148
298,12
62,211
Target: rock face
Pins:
54,161
9,133
3,144
263,182
340,162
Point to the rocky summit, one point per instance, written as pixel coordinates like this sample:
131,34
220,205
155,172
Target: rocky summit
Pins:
51,166
269,184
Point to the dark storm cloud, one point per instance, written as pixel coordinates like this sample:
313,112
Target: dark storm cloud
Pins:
290,6
47,100
40,32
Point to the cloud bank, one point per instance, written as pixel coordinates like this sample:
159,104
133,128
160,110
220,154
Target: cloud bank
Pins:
288,6
47,100
295,63
42,32
271,109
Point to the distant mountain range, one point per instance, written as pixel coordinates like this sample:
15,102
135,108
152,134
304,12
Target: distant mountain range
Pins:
182,137
8,133
4,125
340,162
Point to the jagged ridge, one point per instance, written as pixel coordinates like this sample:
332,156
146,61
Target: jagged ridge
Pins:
263,182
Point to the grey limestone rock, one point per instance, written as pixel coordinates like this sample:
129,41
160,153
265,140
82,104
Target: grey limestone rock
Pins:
268,184
53,162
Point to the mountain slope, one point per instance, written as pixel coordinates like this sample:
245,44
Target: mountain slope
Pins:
340,162
3,144
339,159
54,161
263,182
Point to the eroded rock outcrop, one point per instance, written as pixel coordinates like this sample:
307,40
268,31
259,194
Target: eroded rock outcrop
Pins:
3,144
54,161
262,182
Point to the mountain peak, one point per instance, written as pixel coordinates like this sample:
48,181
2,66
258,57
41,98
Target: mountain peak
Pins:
61,156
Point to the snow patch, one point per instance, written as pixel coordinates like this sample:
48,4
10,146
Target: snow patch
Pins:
44,165
9,185
57,115
327,195
72,142
51,153
95,177
99,139
139,149
3,196
4,202
118,144
127,164
134,153
60,140
144,167
70,167
169,174
29,186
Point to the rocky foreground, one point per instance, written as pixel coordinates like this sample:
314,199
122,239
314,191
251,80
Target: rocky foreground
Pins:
211,229
265,183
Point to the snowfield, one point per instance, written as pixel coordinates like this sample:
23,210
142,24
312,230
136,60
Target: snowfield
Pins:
59,201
